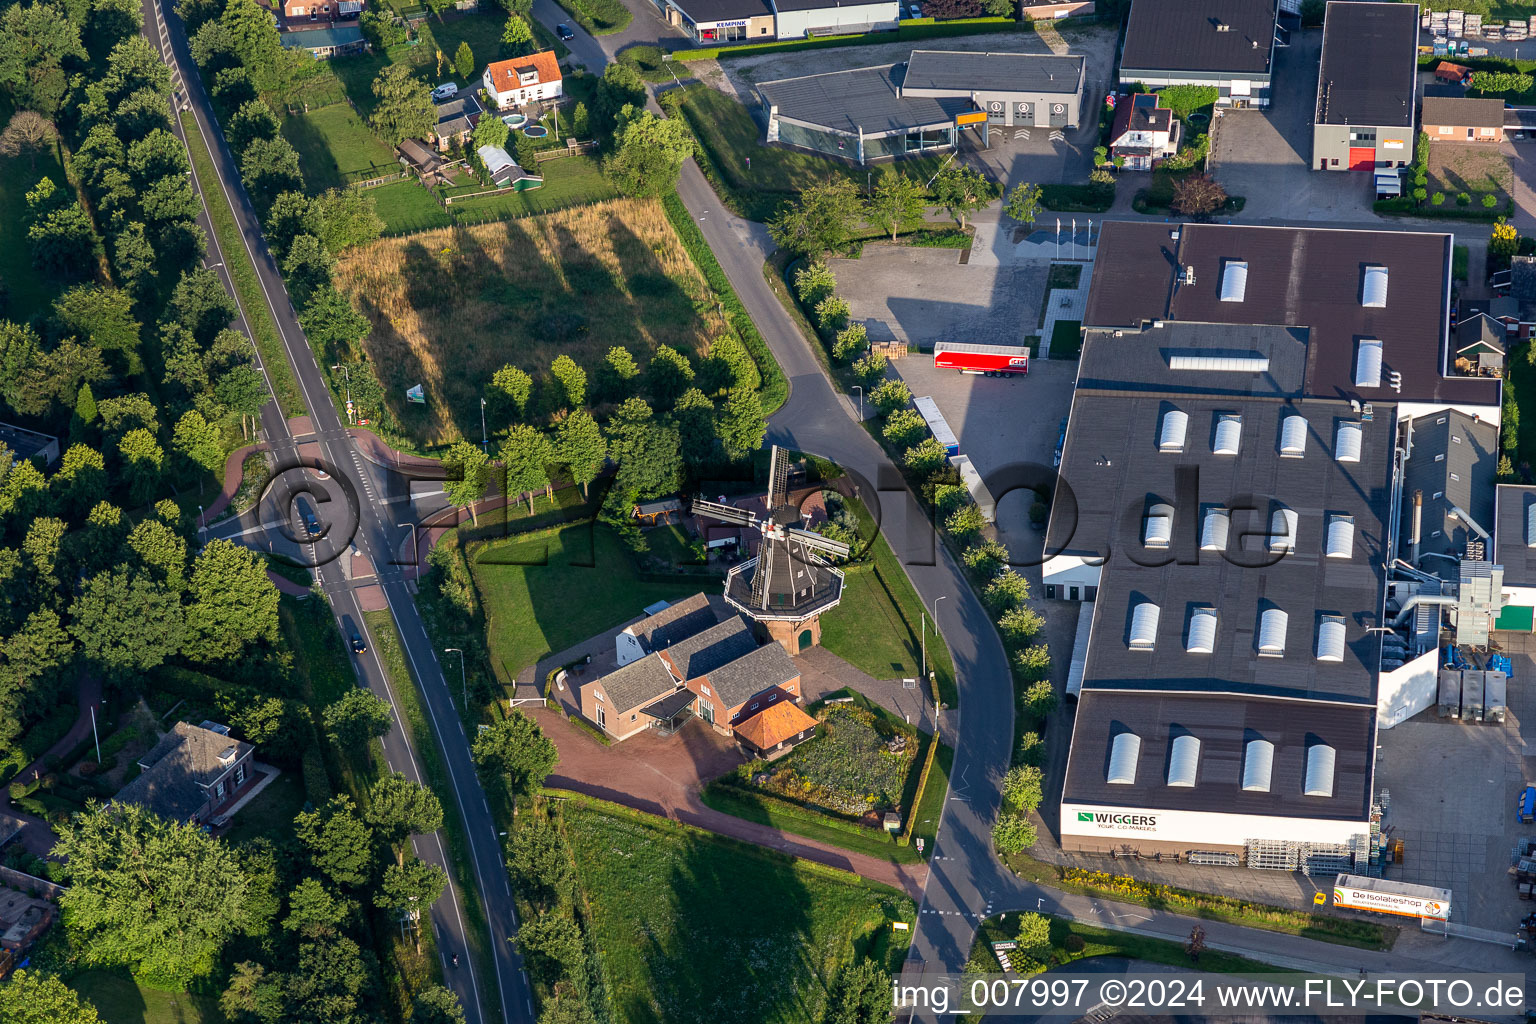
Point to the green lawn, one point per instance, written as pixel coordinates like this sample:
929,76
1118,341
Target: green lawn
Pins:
1522,385
600,17
1066,339
120,1000
743,803
931,807
272,812
878,626
569,181
336,148
694,927
1104,942
731,137
547,592
27,290
406,208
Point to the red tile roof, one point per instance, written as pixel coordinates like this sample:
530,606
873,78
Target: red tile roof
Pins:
775,724
504,73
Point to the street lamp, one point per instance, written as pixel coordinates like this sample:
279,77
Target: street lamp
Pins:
925,635
201,525
860,390
483,440
463,679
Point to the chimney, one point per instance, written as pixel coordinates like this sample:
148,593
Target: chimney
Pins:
1418,522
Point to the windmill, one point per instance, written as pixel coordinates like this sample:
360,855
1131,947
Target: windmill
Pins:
788,585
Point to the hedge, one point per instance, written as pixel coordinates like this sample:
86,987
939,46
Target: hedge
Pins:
794,809
922,783
1090,198
916,28
775,389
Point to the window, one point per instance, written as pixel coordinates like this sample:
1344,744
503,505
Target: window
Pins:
1456,477
240,774
218,790
631,718
602,717
754,707
1456,439
1440,457
1442,419
706,690
598,694
1446,129
1486,133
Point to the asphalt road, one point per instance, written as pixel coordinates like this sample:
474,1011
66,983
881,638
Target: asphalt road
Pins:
352,508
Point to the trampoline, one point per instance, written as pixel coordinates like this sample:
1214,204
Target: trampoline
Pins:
535,131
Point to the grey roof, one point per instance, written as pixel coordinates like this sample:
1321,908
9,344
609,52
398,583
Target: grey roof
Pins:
637,683
1453,462
176,770
1481,329
679,620
24,443
1462,112
671,704
1369,70
1183,35
800,583
704,652
456,115
963,71
1112,473
742,678
1223,725
1522,285
707,12
1139,360
1302,277
1512,545
825,5
863,98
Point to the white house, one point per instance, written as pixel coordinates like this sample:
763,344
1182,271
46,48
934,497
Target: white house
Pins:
511,83
1143,133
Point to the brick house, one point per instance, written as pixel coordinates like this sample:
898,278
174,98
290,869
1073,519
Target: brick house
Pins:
678,620
1143,133
775,730
1462,119
194,774
511,83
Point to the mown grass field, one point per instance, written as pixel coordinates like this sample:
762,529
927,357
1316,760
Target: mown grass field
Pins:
27,290
568,181
449,307
694,928
336,148
121,1000
406,207
546,592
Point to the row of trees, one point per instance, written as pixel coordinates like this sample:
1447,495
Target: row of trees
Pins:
825,215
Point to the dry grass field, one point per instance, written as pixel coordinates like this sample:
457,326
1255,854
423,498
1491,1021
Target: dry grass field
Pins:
451,306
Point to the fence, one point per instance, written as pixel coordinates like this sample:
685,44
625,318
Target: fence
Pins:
374,176
30,883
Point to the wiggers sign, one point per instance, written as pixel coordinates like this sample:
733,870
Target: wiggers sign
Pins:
1201,829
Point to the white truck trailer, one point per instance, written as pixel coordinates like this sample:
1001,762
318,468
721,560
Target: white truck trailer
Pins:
1387,896
971,477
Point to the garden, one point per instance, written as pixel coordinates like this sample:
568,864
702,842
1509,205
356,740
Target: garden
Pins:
859,764
692,926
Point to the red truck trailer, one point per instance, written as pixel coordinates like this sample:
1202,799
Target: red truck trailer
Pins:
991,360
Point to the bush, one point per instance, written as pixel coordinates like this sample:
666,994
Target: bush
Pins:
1076,943
1462,199
1035,663
1184,100
1006,590
925,456
904,428
966,521
1489,200
1024,787
832,315
851,340
1438,198
814,282
1031,750
1040,698
870,368
1019,625
890,396
985,558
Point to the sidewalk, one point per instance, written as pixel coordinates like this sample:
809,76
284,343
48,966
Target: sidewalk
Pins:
37,836
234,476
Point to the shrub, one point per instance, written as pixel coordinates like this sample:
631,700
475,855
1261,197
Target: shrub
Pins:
1013,834
1186,99
965,521
1419,194
1019,625
1035,663
1462,199
832,315
985,558
1031,749
1438,199
949,498
849,341
1024,787
905,428
1006,590
1040,698
925,456
814,282
1076,943
1489,200
870,368
890,396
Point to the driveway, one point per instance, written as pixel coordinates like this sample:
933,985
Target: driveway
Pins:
1522,162
1265,155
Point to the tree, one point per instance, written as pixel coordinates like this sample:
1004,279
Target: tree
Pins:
156,896
63,242
514,386
307,266
1197,195
29,997
925,456
517,748
27,132
231,602
729,366
580,120
436,1005
962,190
870,368
965,522
348,217
201,305
1013,834
1018,625
517,37
339,844
102,316
464,60
541,867
862,995
525,457
904,428
243,390
465,466
399,808
832,314
1024,787
314,911
1006,590
270,167
111,23
491,131
572,382
648,155
814,281
133,257
890,396
356,718
697,430
741,423
668,376
126,622
551,944
330,322
621,86
897,202
404,109
580,446
199,442
1024,203
849,341
1040,698
1504,241
822,220
38,42
411,887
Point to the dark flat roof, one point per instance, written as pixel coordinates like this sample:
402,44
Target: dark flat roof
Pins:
1297,277
1453,463
867,98
817,5
1223,725
1511,548
1369,68
993,72
1111,474
1183,35
708,12
671,704
1143,360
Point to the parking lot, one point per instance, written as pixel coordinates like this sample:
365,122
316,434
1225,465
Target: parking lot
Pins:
1452,789
1264,156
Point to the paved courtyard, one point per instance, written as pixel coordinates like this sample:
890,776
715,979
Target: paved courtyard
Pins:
1264,156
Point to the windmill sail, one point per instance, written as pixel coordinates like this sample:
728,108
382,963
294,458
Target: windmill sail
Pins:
724,513
760,576
826,545
778,480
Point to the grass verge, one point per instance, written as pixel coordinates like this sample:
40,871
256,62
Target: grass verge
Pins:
599,17
121,1000
1342,931
386,639
1105,942
253,301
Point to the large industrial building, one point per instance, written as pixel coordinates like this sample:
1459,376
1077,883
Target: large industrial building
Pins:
1232,512
719,22
1367,86
923,103
1226,43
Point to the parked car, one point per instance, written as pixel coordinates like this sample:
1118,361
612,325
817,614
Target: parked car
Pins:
358,646
446,91
564,32
915,10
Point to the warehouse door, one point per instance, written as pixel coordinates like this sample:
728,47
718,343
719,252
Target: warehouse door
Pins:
1362,159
